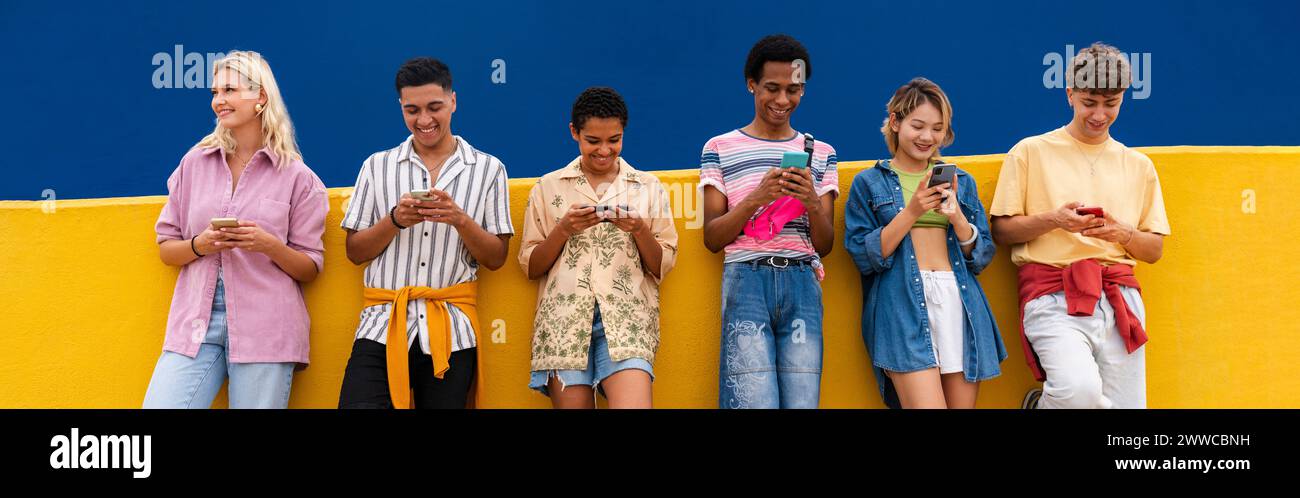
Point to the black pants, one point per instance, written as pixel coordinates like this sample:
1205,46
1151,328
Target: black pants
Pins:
365,381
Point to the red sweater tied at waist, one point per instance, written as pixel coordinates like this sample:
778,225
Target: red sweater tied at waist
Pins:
1083,282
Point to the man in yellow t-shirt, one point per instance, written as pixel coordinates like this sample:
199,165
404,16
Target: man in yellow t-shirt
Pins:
1079,209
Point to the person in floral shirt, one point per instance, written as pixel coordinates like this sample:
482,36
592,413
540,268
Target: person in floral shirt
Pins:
599,235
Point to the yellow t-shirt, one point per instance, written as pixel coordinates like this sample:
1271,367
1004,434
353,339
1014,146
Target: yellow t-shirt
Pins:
1043,173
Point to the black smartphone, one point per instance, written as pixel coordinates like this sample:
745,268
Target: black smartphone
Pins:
943,173
607,211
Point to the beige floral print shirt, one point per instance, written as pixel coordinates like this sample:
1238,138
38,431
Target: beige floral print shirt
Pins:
600,265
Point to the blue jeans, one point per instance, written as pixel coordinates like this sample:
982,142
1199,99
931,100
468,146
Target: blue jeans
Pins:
771,337
183,382
599,365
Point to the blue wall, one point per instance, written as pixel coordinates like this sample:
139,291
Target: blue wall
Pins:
84,119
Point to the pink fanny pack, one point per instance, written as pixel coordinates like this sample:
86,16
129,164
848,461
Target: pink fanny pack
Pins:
772,218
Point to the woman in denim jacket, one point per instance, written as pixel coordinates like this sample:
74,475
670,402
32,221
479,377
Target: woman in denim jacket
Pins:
925,320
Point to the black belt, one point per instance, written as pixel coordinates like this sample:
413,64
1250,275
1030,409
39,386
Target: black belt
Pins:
780,262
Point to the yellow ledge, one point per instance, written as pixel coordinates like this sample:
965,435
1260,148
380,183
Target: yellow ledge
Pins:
85,299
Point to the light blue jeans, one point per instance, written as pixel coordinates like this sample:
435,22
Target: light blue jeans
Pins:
183,382
771,337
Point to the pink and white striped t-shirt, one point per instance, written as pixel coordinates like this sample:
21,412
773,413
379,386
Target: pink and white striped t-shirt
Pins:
734,163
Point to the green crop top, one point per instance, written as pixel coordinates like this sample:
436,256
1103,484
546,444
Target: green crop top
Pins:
908,181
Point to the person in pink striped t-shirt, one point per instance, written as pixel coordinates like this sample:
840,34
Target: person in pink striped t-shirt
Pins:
771,291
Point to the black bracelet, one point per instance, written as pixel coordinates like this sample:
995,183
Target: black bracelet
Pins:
195,249
394,218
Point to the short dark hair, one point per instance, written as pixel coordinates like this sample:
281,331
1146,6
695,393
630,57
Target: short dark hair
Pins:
776,48
598,102
422,71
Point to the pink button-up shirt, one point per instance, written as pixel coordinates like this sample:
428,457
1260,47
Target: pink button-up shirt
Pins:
265,313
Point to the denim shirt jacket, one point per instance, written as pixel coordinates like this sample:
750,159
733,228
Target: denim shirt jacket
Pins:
895,325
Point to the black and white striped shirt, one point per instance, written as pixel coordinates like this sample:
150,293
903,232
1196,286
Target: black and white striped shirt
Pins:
426,254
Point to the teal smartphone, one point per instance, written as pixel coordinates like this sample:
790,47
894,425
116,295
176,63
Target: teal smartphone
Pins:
794,159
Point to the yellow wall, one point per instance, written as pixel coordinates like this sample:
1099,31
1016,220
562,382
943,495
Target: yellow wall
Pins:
85,299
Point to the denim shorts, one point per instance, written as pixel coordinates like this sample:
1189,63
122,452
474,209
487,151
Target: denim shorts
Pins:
599,365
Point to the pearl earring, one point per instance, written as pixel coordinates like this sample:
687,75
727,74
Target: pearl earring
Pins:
259,107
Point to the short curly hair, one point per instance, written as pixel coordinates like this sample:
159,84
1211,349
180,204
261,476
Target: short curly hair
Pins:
598,102
1100,69
776,48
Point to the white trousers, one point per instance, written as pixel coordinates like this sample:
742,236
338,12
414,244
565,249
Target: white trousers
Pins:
1086,361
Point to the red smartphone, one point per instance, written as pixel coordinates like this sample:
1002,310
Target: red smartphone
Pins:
1095,211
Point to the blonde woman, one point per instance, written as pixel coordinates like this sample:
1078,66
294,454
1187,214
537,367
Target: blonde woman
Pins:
925,319
237,311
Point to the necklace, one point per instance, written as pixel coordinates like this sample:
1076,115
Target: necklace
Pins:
244,163
1092,164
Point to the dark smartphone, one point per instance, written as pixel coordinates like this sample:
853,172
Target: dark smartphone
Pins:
607,211
941,174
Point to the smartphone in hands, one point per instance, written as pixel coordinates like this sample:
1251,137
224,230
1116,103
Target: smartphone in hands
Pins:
607,211
794,159
1095,211
941,174
218,223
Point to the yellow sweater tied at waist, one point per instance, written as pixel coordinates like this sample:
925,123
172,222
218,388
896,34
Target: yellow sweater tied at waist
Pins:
464,295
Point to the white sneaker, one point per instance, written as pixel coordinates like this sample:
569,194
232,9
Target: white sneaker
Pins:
1031,399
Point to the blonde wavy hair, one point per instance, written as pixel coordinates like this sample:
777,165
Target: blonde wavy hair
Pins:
277,129
911,96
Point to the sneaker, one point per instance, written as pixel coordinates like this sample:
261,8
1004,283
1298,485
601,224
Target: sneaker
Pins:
1031,399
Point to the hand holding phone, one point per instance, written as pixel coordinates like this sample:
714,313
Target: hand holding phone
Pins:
423,195
941,174
1095,211
794,159
219,223
607,211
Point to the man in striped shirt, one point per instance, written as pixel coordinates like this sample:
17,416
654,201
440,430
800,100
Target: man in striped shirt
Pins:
423,253
771,291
